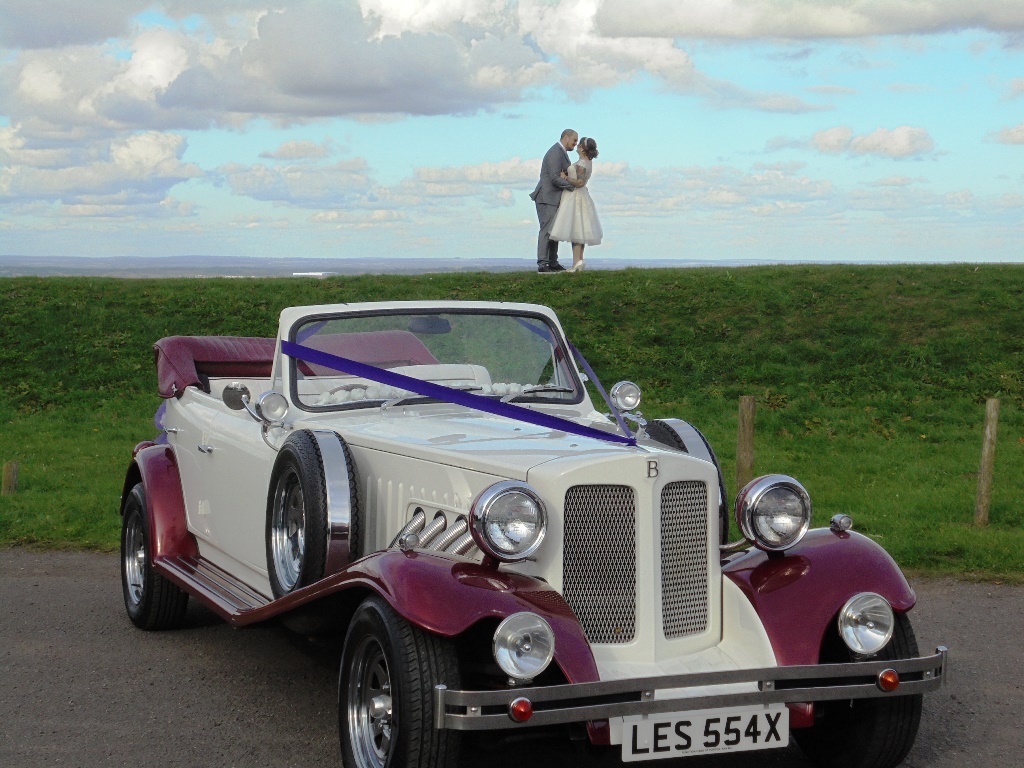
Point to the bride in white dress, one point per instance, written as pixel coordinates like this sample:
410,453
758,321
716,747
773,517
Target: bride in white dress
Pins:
576,220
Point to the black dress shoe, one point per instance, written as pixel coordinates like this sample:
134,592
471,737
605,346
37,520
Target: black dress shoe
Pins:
547,269
554,266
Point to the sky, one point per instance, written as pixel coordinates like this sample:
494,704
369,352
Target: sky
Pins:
727,130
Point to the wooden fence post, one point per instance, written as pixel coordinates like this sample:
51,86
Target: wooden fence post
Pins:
988,460
10,481
745,442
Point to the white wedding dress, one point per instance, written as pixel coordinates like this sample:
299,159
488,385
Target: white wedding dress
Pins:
576,220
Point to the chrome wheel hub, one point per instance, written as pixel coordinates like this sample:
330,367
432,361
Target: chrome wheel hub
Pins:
371,721
134,560
288,531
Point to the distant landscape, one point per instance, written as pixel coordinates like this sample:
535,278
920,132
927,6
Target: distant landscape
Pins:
240,266
870,381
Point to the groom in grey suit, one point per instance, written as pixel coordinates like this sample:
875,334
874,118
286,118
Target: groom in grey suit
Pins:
553,180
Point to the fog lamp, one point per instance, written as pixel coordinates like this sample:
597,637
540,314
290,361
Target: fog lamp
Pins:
866,623
625,395
523,645
272,407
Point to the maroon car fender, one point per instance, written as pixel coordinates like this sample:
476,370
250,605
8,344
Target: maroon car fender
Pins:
798,595
447,597
157,469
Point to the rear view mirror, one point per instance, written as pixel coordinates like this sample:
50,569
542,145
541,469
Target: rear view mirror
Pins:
430,324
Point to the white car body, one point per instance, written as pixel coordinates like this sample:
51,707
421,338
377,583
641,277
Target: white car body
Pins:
439,456
350,465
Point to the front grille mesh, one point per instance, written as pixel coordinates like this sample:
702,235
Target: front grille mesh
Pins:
684,558
599,560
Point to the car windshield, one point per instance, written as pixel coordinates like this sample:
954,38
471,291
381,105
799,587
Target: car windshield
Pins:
514,357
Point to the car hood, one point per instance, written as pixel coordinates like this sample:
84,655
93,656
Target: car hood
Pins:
473,441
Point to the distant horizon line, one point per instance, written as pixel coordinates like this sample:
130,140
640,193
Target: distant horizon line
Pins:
194,265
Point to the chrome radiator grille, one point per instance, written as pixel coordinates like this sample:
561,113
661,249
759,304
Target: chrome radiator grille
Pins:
599,560
684,558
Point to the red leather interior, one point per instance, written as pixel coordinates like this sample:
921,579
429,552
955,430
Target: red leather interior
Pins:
181,360
385,349
184,361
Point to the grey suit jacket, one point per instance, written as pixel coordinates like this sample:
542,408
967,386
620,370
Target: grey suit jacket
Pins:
549,188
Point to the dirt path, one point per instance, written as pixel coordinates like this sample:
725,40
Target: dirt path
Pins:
80,686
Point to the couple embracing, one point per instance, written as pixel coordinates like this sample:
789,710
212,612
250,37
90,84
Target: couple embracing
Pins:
564,207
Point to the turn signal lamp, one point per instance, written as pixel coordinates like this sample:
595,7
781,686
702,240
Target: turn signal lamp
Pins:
888,680
520,710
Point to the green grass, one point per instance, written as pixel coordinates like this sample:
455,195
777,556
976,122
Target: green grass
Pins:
870,381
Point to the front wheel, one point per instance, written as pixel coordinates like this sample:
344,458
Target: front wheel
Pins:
865,733
152,601
386,692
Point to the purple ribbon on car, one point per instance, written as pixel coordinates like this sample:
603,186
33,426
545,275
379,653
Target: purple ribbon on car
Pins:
447,394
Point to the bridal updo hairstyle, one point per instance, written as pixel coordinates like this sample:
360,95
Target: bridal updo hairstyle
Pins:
590,146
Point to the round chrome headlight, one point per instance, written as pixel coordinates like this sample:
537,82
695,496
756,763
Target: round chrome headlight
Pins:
523,645
508,521
272,407
625,395
774,512
866,623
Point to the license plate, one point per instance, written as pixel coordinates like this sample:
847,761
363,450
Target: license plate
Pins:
677,734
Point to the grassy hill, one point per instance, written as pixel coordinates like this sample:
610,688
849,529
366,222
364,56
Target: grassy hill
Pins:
871,381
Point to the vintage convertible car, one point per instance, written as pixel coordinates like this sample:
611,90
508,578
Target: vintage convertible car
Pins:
432,481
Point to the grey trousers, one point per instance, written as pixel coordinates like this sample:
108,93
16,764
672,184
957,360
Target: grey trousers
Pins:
547,249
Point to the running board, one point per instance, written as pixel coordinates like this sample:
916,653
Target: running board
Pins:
222,592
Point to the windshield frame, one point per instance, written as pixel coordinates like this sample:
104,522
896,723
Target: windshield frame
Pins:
560,349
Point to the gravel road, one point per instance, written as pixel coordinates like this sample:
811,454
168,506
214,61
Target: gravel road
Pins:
80,686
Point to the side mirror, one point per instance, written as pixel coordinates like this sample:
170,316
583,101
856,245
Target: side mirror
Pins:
271,407
236,396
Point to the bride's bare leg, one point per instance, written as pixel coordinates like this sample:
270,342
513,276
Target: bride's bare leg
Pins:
577,253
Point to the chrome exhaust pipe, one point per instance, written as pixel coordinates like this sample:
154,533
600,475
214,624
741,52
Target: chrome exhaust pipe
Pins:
436,526
464,544
459,527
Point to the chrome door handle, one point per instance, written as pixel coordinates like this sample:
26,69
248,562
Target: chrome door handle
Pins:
206,449
171,430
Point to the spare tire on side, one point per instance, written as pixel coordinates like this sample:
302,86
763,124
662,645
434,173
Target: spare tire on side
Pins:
312,511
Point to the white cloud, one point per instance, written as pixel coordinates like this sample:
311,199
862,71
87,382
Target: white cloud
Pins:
833,140
512,171
299,150
901,142
1016,88
136,170
398,16
342,184
804,19
631,193
29,24
1013,135
894,181
158,59
832,90
39,82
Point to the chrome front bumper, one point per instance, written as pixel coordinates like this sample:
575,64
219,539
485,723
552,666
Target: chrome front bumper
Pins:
581,702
